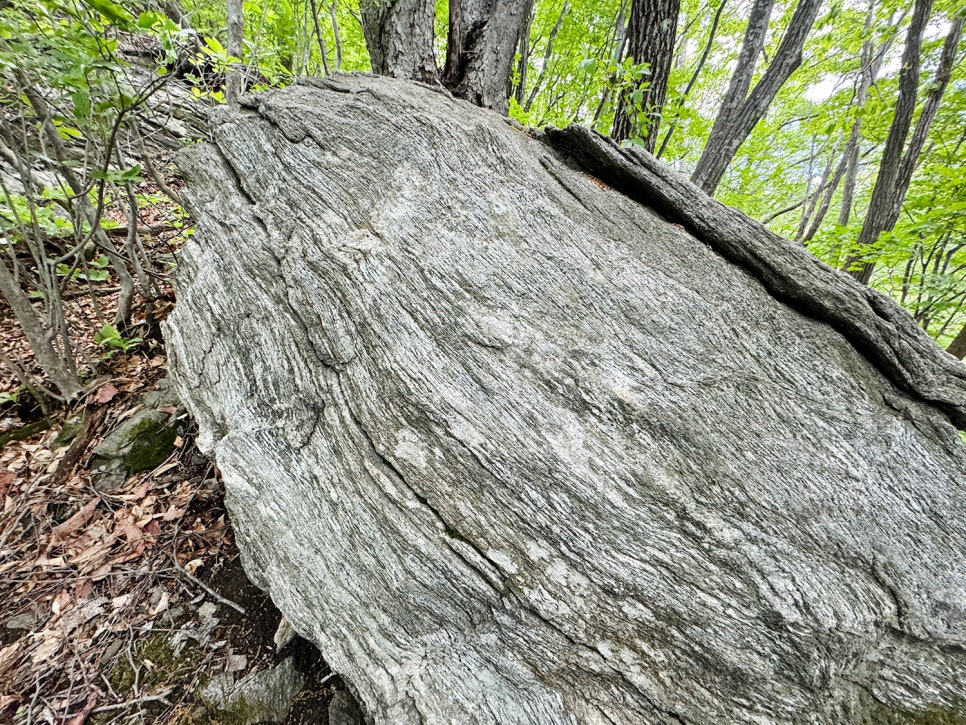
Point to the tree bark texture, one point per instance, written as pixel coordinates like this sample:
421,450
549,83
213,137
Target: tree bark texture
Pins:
235,80
513,444
697,71
957,347
741,111
483,35
399,36
651,34
897,167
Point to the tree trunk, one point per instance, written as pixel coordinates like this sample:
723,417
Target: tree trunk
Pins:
741,111
957,347
318,36
491,440
483,35
54,365
336,35
524,62
850,158
651,34
896,168
697,72
235,81
399,36
547,55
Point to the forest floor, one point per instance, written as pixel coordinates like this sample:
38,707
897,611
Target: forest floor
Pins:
117,605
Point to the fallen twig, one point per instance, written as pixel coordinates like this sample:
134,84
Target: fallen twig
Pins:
160,697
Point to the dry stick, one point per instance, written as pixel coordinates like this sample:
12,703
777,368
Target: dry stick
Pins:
160,697
174,557
33,701
211,592
78,446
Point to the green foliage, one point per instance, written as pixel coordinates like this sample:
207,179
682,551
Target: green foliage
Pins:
280,35
113,341
95,271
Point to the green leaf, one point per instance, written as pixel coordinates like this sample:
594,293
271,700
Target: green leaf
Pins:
112,11
69,132
215,47
106,335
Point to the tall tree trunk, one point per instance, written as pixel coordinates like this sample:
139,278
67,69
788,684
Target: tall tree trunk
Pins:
399,36
548,53
741,111
957,347
896,168
697,72
524,62
318,35
337,36
850,159
815,203
651,34
483,35
235,82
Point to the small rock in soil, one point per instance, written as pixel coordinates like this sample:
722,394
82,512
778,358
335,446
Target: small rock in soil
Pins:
138,444
264,696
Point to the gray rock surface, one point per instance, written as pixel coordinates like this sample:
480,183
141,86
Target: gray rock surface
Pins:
265,696
510,447
138,444
344,710
141,442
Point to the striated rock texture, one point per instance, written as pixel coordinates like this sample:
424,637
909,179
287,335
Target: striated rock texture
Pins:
511,447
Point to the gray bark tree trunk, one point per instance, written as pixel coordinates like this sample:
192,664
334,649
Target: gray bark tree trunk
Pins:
512,446
547,55
697,71
651,34
957,347
336,35
849,167
57,367
235,80
399,36
483,35
740,110
896,168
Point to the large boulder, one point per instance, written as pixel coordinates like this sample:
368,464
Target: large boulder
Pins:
511,446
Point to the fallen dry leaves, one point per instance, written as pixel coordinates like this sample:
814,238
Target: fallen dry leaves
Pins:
82,570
